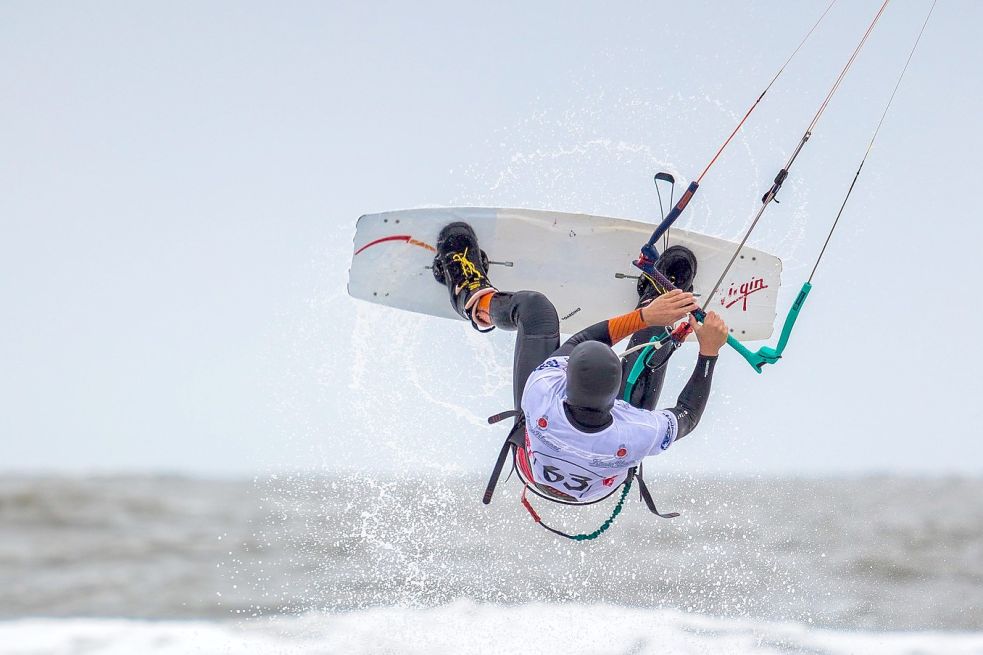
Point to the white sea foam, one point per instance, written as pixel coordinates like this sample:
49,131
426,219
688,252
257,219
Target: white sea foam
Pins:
467,627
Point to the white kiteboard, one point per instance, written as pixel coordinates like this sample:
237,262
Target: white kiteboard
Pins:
582,263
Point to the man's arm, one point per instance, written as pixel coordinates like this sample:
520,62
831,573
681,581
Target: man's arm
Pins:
712,335
664,310
693,398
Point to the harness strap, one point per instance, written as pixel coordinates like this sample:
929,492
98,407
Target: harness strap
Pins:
510,442
501,416
497,471
646,496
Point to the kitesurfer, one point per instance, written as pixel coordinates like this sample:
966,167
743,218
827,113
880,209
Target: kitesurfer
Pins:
581,439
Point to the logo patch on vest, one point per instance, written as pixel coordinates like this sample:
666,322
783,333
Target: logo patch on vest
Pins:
622,452
542,422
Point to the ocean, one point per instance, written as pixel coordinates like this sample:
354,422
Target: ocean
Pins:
348,564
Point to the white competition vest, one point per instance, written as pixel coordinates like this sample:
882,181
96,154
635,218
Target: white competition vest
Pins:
584,465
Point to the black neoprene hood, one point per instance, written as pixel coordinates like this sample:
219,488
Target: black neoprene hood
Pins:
593,376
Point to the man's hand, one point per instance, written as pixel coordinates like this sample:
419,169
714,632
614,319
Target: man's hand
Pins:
668,308
712,335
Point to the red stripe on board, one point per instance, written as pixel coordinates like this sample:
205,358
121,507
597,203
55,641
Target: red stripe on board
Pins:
398,237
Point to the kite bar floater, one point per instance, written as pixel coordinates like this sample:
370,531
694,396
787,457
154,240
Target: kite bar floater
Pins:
757,359
766,354
646,263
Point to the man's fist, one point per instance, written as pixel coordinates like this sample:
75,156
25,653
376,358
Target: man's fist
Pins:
668,308
712,335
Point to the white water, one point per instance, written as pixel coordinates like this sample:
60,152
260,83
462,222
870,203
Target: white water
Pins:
466,627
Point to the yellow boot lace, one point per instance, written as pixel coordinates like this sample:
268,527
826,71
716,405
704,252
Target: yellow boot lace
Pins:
468,269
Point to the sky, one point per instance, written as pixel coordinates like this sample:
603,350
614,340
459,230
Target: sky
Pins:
179,185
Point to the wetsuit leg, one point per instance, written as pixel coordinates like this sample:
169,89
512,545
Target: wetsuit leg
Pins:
645,393
534,317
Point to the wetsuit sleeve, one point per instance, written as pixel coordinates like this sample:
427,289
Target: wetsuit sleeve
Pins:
608,332
693,398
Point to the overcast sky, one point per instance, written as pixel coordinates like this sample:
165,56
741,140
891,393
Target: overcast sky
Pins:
179,184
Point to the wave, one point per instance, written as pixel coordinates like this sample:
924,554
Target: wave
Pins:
465,627
840,554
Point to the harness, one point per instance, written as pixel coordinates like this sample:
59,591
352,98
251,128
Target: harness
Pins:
515,444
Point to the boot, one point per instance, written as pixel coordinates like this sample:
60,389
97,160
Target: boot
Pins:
678,264
462,266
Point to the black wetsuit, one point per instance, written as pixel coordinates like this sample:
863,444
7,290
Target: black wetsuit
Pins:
534,317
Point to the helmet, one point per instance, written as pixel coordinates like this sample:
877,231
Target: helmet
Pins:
593,376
